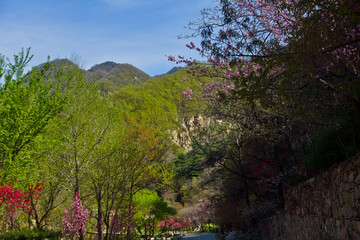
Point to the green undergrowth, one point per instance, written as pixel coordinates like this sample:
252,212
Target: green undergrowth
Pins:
30,234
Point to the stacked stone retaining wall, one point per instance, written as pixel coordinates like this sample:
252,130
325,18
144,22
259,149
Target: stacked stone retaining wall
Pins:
324,207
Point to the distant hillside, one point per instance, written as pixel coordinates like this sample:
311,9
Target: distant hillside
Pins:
113,76
173,70
58,65
163,93
137,91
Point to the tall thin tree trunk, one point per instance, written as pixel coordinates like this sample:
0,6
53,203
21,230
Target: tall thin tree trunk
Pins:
99,216
128,231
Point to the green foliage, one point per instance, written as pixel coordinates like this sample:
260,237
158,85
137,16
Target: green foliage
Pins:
334,145
163,94
27,104
68,133
188,165
150,210
78,133
150,205
30,235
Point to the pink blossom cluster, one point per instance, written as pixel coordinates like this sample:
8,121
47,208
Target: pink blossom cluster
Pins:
74,220
226,78
173,224
268,17
264,22
204,210
188,93
337,53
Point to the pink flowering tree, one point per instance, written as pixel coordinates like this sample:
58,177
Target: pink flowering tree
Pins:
272,54
198,215
283,71
74,220
204,213
205,210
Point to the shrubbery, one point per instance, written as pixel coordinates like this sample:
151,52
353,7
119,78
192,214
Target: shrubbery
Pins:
30,234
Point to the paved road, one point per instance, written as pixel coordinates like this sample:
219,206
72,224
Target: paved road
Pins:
203,236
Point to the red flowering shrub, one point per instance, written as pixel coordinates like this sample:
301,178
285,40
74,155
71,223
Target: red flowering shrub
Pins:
173,224
14,201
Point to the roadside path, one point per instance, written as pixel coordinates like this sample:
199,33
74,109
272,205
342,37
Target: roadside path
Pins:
202,236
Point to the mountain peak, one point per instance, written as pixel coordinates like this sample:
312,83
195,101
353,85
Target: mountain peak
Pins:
171,71
105,66
113,76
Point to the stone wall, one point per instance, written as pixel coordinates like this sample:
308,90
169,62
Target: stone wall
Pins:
324,207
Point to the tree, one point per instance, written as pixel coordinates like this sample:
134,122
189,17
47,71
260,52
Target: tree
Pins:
150,210
283,72
48,201
79,131
82,142
263,53
14,201
74,220
27,104
133,159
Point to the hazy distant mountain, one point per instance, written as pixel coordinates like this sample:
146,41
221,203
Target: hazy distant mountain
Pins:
114,76
173,70
57,64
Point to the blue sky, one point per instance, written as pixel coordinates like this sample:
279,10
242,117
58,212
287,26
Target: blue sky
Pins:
139,32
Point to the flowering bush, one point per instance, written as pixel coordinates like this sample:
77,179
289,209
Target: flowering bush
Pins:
173,224
74,220
15,200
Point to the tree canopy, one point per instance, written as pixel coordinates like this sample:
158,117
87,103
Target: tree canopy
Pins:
27,104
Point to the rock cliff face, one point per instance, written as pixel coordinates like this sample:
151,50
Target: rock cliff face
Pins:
187,128
324,207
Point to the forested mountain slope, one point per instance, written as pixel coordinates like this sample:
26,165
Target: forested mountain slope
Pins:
171,71
113,76
136,91
164,92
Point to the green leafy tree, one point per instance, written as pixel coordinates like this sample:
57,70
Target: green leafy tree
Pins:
78,133
27,104
150,211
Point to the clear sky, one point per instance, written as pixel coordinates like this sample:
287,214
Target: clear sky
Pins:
139,32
